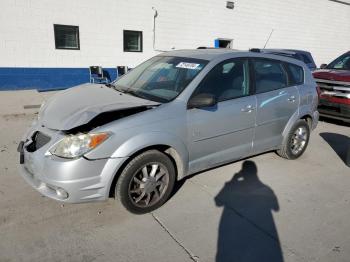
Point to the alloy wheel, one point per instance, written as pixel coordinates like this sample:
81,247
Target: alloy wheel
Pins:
299,139
149,184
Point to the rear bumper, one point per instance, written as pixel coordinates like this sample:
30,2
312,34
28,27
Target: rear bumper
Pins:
334,110
315,119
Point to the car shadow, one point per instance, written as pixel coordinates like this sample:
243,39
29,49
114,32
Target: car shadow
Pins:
334,121
340,144
247,231
178,185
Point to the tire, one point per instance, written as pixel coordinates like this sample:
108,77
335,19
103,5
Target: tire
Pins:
151,174
289,146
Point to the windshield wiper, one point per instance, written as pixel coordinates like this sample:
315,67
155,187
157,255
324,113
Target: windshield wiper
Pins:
124,90
115,87
133,93
109,85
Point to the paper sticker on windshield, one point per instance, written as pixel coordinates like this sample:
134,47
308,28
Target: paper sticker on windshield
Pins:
188,65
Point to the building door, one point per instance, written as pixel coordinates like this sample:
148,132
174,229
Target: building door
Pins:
223,43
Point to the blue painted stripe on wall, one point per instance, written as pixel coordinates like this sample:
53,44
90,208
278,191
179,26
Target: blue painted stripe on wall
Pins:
216,43
19,78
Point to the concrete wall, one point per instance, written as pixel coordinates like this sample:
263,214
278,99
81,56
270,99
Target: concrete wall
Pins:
27,36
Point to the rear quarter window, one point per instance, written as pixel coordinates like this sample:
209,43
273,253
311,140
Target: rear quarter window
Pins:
296,74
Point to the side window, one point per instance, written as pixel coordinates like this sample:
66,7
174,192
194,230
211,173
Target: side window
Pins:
269,75
296,75
227,80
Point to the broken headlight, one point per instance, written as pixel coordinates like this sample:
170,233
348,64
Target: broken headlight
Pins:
73,146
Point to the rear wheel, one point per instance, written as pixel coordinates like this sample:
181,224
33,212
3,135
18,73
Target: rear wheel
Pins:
146,182
296,142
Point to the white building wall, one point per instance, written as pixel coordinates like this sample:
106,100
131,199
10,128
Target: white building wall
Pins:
27,36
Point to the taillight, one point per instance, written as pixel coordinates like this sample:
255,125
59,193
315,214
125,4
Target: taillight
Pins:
318,89
317,100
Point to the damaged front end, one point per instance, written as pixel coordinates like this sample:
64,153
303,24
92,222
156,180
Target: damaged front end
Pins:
105,118
66,122
53,152
89,106
80,140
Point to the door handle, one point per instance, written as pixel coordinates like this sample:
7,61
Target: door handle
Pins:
291,99
247,109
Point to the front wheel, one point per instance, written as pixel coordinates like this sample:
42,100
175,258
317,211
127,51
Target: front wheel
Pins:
146,182
296,142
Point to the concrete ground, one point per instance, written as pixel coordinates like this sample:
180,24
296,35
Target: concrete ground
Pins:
260,209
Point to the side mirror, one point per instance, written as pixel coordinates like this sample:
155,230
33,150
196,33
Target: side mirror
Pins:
201,100
323,66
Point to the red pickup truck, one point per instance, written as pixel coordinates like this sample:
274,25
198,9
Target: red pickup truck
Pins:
334,88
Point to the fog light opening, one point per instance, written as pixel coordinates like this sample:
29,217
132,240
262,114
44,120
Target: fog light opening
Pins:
61,193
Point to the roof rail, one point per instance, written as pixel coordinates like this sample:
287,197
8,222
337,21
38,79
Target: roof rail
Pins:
255,50
206,47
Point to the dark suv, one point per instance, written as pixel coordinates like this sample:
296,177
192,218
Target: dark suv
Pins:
301,55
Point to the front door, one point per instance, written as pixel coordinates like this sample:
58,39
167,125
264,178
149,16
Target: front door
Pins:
223,132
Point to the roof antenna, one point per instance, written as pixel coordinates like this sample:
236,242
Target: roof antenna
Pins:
268,39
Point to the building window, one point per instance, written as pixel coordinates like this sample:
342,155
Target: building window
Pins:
132,41
66,37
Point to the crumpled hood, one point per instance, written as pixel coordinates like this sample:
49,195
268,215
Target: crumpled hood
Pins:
79,105
333,75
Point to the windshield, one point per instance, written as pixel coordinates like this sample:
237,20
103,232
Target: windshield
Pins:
342,63
161,79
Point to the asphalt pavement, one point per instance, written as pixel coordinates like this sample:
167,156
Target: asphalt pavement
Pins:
263,208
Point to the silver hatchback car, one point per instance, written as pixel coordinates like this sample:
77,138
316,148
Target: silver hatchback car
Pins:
176,114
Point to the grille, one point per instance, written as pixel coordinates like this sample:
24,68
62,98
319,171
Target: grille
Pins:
39,140
334,88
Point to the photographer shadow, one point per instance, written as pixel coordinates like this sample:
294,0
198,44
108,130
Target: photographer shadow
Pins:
247,231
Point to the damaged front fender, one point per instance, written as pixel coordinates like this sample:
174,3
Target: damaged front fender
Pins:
127,148
107,117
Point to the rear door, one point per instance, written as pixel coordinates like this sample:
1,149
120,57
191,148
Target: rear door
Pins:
223,132
276,102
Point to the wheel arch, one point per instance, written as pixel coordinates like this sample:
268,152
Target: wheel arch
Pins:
308,119
296,116
175,150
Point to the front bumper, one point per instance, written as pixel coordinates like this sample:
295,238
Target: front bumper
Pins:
81,180
334,110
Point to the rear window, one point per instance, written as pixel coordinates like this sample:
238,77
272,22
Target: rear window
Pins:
306,59
296,75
